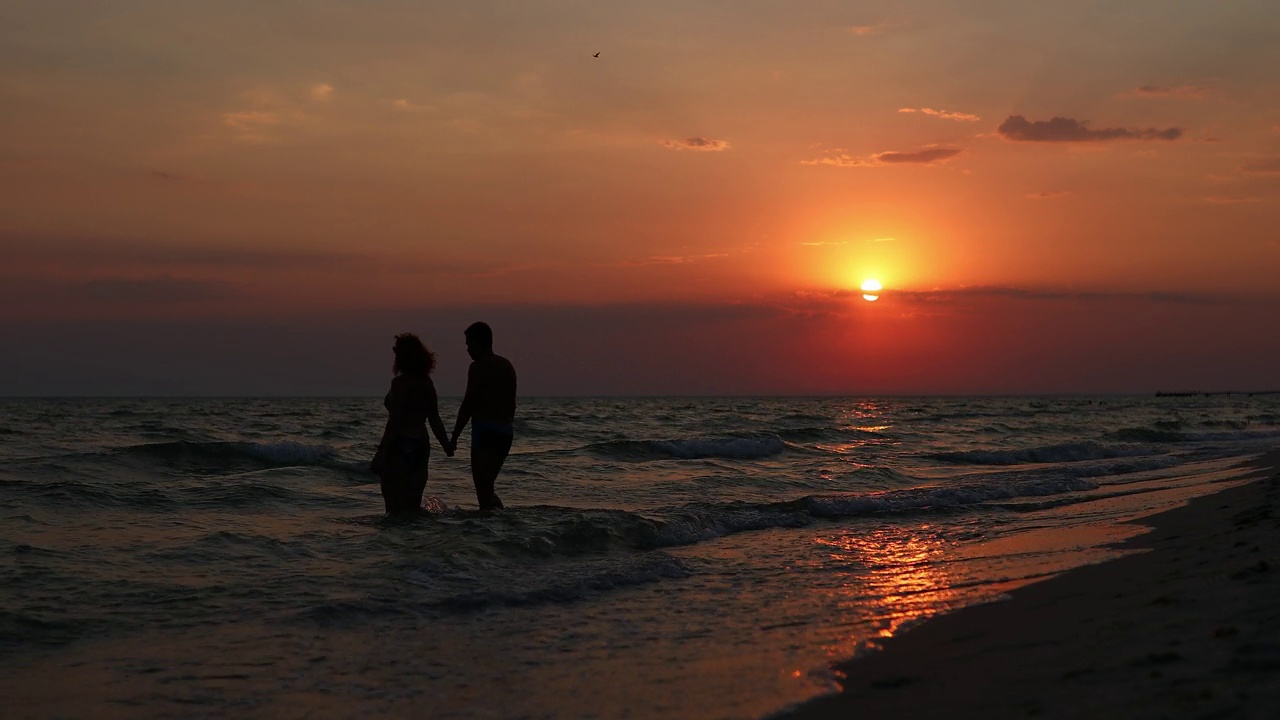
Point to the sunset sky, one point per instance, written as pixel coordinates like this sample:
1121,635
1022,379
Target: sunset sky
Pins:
247,197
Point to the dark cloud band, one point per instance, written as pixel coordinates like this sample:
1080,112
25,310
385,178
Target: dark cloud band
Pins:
1065,129
697,143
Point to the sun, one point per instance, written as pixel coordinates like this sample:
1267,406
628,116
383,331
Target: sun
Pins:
871,289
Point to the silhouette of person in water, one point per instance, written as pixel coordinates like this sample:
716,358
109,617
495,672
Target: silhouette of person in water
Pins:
490,406
403,453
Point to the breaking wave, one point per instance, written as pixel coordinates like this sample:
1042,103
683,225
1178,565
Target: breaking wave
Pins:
1062,452
556,532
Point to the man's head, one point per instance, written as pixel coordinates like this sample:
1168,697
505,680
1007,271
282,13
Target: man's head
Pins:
479,340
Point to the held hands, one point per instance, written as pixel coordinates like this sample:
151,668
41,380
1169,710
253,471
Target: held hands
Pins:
451,446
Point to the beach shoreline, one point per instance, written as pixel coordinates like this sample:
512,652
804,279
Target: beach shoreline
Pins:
1188,626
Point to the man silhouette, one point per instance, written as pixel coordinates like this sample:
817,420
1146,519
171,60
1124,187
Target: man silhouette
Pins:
490,406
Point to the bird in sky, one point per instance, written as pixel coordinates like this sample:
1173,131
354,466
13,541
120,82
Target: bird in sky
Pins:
596,55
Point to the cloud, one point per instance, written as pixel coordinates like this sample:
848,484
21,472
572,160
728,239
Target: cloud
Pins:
1189,92
250,119
1266,166
98,252
156,289
1047,194
864,30
406,105
1064,129
269,115
944,114
465,268
1005,292
697,143
669,260
924,156
252,125
945,301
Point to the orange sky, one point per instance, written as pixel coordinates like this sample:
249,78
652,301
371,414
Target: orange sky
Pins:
1051,167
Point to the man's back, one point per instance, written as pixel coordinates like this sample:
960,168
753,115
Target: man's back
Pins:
491,389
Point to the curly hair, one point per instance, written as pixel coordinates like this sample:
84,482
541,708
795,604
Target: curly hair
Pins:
412,357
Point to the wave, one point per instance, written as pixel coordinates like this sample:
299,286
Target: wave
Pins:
552,532
1161,434
829,434
1228,424
937,499
1156,433
72,493
212,457
281,452
1124,466
249,490
22,629
33,550
348,613
566,584
805,418
738,448
1059,453
442,588
253,491
219,545
277,453
809,434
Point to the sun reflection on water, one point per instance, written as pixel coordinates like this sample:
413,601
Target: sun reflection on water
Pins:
906,578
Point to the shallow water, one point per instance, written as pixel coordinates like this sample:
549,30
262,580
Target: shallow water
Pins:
662,558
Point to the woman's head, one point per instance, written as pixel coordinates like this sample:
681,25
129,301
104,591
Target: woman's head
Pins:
412,357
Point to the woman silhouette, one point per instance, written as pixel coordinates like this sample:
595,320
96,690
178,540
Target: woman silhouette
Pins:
403,453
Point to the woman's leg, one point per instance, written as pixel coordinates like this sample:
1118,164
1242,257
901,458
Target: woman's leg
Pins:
393,495
406,476
417,484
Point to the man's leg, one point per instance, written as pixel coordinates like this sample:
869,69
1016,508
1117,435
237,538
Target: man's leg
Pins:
488,452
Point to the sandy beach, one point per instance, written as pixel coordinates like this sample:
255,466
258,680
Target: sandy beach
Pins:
1186,627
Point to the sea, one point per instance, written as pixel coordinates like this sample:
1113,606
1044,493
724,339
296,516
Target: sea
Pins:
657,557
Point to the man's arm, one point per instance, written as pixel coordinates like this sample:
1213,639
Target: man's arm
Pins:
464,410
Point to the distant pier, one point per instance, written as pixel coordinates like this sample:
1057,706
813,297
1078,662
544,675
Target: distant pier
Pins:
1198,393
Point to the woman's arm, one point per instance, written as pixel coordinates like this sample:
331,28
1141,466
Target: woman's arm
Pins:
433,419
378,464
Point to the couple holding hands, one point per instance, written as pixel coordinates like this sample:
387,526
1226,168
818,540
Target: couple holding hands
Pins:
489,405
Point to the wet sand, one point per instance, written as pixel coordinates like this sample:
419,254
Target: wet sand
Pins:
1187,627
